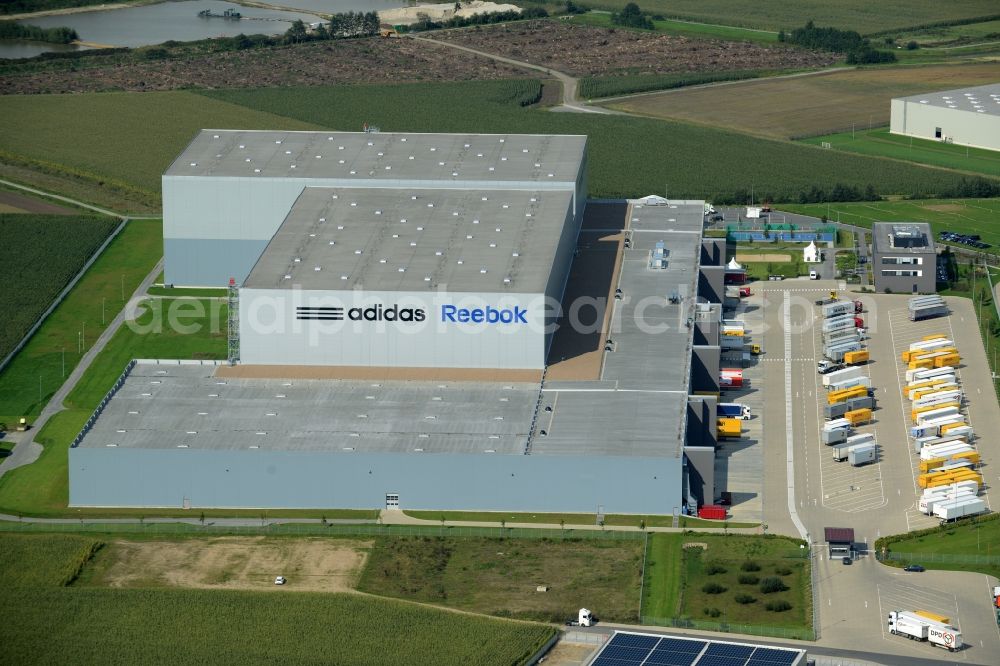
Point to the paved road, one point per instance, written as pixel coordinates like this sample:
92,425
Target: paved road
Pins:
401,518
27,452
569,83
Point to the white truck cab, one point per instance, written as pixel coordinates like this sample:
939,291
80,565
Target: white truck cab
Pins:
585,618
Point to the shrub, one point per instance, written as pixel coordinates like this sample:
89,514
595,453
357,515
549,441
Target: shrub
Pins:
745,598
912,45
748,579
713,612
715,568
782,571
778,606
750,565
714,588
772,584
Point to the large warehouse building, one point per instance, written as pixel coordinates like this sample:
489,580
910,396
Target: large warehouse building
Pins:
966,116
414,344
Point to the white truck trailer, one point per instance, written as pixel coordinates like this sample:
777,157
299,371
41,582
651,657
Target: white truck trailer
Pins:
919,628
959,507
862,454
923,374
838,375
926,503
848,382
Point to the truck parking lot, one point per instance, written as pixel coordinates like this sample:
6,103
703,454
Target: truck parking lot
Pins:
803,489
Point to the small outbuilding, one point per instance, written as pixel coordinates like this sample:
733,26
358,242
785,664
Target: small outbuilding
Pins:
840,540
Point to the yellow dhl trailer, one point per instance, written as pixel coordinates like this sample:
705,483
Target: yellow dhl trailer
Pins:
859,416
934,463
921,364
857,357
833,397
949,361
934,336
935,479
729,428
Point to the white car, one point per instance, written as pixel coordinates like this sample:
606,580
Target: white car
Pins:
280,580
813,275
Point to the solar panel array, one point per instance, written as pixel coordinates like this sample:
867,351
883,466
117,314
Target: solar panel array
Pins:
628,649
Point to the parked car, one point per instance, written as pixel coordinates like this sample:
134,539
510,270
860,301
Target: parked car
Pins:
914,567
847,560
280,580
813,275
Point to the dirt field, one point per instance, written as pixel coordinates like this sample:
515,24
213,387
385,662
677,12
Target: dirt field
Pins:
809,105
763,258
591,51
13,202
316,64
317,565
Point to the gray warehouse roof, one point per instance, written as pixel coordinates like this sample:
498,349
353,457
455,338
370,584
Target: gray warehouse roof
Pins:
382,156
978,99
166,407
415,239
902,238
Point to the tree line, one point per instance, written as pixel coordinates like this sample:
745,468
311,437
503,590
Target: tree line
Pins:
13,30
858,49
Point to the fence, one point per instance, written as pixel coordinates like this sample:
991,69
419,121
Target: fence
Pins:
943,558
317,529
796,633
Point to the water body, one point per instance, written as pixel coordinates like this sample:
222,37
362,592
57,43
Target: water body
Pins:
179,21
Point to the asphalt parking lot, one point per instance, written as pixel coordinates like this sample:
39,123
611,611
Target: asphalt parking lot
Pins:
803,490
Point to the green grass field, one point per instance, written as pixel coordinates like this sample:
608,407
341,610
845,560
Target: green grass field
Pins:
689,28
57,624
857,15
880,143
40,263
675,580
611,520
951,36
661,585
626,155
129,138
500,576
968,538
37,370
970,216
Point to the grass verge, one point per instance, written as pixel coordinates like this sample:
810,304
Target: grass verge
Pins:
970,545
610,520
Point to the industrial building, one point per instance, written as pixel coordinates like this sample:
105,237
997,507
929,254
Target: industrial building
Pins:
226,195
965,116
412,344
904,259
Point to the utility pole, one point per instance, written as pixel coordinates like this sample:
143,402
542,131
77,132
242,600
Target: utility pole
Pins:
102,309
64,361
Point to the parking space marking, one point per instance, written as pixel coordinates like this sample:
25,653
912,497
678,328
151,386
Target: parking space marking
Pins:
904,595
903,333
845,487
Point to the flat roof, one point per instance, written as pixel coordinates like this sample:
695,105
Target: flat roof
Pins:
387,156
186,406
883,234
410,239
977,99
839,534
638,406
